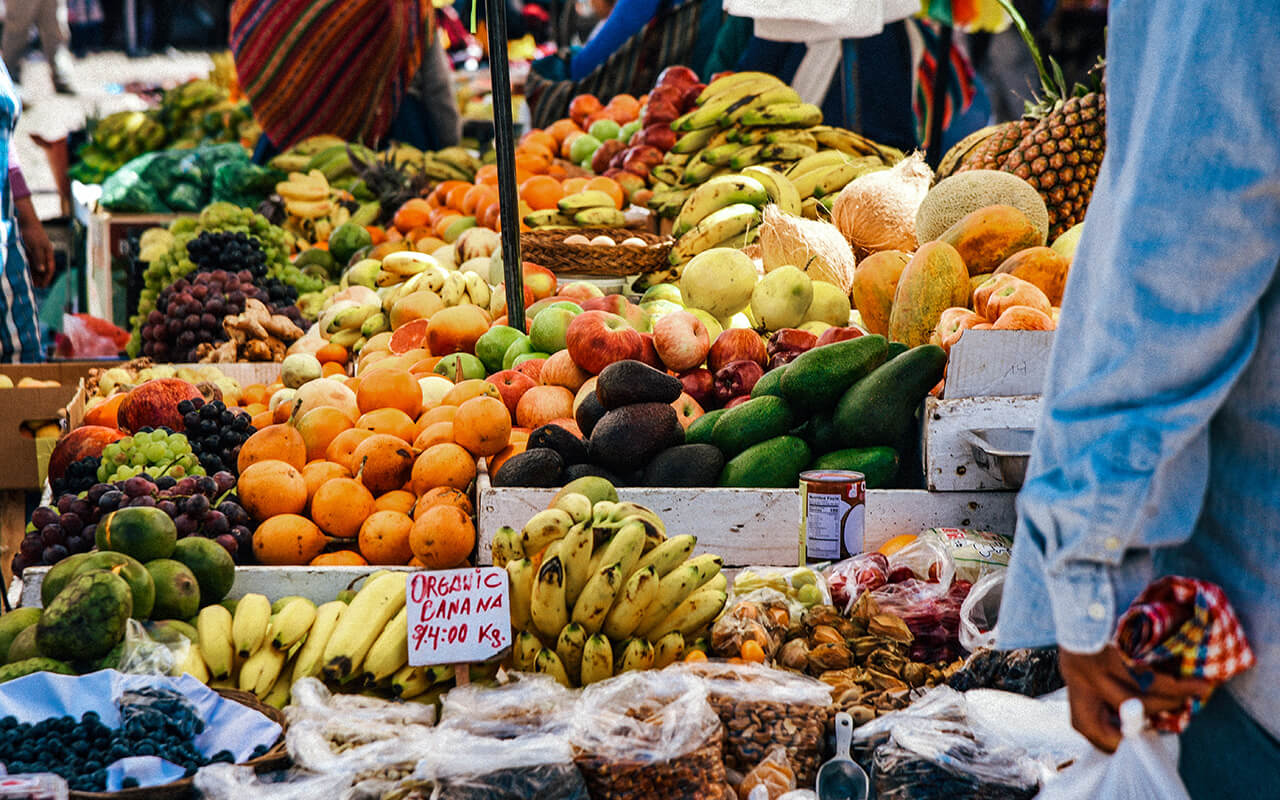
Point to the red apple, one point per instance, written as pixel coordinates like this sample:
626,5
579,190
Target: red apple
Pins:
596,339
833,335
737,401
155,404
561,371
737,378
649,354
677,75
531,367
498,301
512,384
579,291
606,151
690,97
541,404
681,339
660,113
737,344
687,409
87,441
538,279
531,311
641,159
787,344
630,183
700,384
657,135
666,93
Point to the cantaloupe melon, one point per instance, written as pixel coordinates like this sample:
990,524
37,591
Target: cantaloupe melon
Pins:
952,198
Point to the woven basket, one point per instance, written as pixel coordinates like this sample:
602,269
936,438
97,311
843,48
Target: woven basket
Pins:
547,248
275,758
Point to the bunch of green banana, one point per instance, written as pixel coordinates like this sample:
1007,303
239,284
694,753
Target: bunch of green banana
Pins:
448,164
588,209
598,589
298,157
350,312
826,172
725,211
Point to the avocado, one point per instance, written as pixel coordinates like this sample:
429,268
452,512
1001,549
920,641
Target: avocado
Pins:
212,565
699,431
817,378
141,586
896,349
592,487
572,449
588,414
772,464
686,465
57,577
625,383
579,471
87,618
144,532
819,432
14,623
539,466
752,422
881,408
628,437
770,382
878,465
177,590
23,646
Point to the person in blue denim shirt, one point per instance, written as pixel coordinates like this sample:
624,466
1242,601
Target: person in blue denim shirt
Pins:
1159,447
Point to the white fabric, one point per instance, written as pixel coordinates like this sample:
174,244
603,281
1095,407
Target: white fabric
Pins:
817,68
807,21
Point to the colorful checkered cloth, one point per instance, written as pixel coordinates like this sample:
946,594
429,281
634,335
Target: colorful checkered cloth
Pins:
1185,627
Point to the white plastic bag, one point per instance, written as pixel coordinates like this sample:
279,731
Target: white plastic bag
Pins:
1144,766
979,612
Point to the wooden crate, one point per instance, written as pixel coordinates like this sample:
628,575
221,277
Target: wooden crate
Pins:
105,242
758,527
948,459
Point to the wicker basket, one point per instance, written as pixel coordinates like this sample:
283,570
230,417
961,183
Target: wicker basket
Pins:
547,248
275,758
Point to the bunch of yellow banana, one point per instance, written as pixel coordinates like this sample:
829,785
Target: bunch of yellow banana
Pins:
349,313
256,647
587,209
598,589
298,158
315,207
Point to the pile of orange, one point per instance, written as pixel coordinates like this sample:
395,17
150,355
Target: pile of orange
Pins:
381,481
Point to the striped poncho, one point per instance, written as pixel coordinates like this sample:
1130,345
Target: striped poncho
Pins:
327,66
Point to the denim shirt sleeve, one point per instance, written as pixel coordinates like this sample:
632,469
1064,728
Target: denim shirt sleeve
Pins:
1160,315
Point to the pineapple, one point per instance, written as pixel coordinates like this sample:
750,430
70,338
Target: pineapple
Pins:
1057,146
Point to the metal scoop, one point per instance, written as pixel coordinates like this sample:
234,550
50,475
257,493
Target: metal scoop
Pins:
841,778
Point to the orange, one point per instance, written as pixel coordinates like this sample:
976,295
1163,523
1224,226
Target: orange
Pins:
319,427
287,540
410,215
384,538
443,464
343,447
332,352
561,128
541,192
253,393
316,473
695,655
896,543
477,195
442,537
541,137
105,413
390,421
495,462
390,388
339,558
262,419
445,221
610,187
532,164
441,192
383,462
377,234
278,442
752,652
483,425
340,507
396,500
437,414
566,146
626,105
444,495
456,195
433,434
268,488
488,175
332,368
574,185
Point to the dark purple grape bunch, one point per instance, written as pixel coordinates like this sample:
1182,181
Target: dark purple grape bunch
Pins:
79,476
206,506
215,433
228,252
190,311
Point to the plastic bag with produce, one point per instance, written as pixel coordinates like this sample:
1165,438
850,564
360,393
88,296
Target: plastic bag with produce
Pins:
770,779
848,579
801,584
530,704
974,553
762,617
537,767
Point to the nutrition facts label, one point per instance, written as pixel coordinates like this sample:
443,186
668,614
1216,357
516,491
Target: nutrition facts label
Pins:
823,526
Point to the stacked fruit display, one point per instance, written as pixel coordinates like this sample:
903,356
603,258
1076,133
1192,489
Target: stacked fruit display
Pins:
597,588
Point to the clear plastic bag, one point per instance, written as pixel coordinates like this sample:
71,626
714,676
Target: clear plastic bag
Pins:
1031,672
980,611
156,708
928,559
802,585
535,767
974,553
762,708
649,734
931,611
529,704
228,782
142,655
763,616
770,779
937,706
848,579
921,762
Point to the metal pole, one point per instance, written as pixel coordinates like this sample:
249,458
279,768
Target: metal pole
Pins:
504,143
942,71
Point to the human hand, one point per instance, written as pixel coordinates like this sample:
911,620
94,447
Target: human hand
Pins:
35,242
1098,683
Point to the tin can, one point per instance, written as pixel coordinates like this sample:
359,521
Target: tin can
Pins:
833,505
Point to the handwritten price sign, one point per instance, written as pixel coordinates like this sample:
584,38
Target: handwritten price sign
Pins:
458,615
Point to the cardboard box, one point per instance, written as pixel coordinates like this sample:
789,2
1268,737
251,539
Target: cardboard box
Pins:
998,364
25,458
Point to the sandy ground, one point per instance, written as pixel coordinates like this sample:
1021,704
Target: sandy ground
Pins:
100,79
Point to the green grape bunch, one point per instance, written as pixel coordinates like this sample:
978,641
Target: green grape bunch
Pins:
157,452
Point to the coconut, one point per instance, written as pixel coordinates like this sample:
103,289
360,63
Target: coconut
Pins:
814,246
877,211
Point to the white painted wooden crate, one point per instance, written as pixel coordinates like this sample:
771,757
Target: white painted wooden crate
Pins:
948,459
758,527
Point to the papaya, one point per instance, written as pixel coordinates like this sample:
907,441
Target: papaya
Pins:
881,408
30,666
933,281
878,465
14,623
752,422
875,280
87,618
986,237
771,464
1044,267
817,378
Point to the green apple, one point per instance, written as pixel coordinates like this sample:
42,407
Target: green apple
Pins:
523,357
567,305
829,305
657,308
719,280
548,329
518,347
629,130
713,326
604,129
460,367
583,148
663,291
781,298
493,343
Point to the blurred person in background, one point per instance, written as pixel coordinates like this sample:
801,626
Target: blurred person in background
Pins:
85,20
49,18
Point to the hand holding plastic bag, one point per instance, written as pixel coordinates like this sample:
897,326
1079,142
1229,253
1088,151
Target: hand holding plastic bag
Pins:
1144,766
